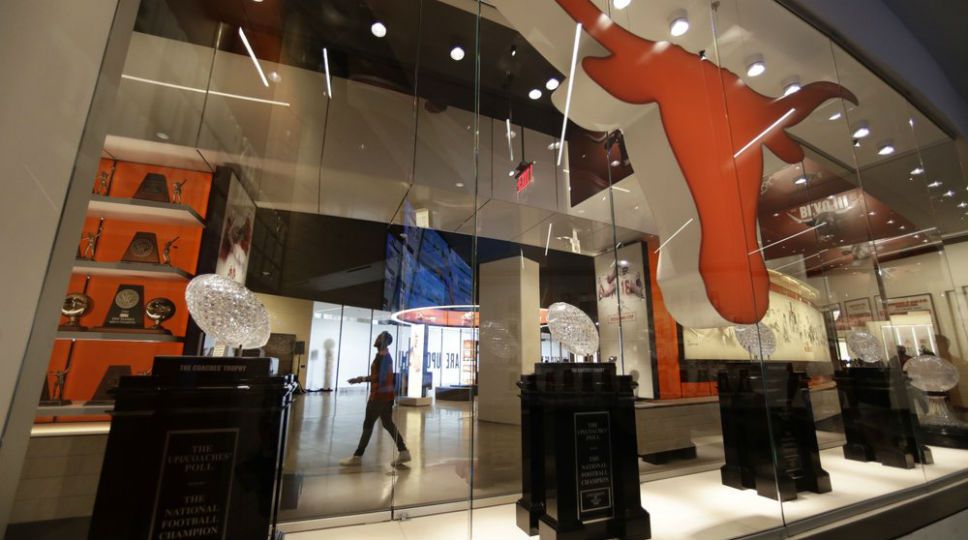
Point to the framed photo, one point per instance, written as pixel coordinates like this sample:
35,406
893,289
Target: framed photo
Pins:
858,312
918,302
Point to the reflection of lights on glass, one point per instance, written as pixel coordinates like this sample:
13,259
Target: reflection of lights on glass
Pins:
963,204
801,180
934,184
917,170
621,4
457,53
552,84
535,93
378,29
835,116
949,193
755,65
886,148
860,130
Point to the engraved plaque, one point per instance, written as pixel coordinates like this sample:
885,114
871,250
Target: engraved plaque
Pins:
594,468
127,311
143,248
153,188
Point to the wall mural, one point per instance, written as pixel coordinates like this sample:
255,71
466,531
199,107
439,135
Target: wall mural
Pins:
713,274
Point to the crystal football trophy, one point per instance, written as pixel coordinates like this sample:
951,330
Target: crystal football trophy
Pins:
74,307
227,311
938,425
159,310
570,326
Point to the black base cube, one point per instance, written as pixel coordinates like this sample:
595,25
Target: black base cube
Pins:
580,478
195,451
880,424
764,407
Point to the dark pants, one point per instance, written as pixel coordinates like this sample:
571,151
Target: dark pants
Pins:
379,409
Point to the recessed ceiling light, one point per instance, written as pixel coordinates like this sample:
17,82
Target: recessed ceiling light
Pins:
890,222
457,53
162,135
949,193
886,147
860,129
615,163
535,93
378,29
552,84
917,170
934,184
963,204
872,212
459,184
275,76
621,4
679,25
791,85
902,227
512,172
801,180
755,65
836,116
776,214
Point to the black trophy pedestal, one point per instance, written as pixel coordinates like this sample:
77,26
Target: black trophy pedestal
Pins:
195,451
880,424
749,397
580,479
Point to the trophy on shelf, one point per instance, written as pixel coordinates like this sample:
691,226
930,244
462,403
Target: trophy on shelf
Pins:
143,248
55,397
153,188
177,191
126,313
103,184
159,310
74,307
167,251
90,244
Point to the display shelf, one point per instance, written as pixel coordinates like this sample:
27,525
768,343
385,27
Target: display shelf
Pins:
143,211
94,335
124,269
74,408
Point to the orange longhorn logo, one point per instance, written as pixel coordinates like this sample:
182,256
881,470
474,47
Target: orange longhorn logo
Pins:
716,126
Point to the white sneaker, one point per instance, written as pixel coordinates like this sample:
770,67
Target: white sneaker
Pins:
352,461
403,457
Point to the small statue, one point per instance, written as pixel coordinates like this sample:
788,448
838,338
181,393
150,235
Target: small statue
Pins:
60,377
167,251
177,191
101,188
90,241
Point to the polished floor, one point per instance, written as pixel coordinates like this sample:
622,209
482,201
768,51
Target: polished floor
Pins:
456,458
692,506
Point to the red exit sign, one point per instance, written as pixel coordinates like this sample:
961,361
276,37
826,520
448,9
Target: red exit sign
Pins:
523,176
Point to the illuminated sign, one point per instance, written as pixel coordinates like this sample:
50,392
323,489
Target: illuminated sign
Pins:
523,175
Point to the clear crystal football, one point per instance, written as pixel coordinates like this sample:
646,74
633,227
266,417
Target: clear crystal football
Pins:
570,326
864,345
758,339
227,311
931,373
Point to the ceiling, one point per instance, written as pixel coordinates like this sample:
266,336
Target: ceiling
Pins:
398,124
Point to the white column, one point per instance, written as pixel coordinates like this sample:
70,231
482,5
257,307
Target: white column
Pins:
61,63
509,334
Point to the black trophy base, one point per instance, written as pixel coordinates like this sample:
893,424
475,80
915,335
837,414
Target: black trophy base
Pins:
629,528
54,402
947,436
157,330
661,458
527,517
71,328
122,329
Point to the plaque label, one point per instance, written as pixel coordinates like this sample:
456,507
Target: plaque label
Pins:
594,467
194,485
